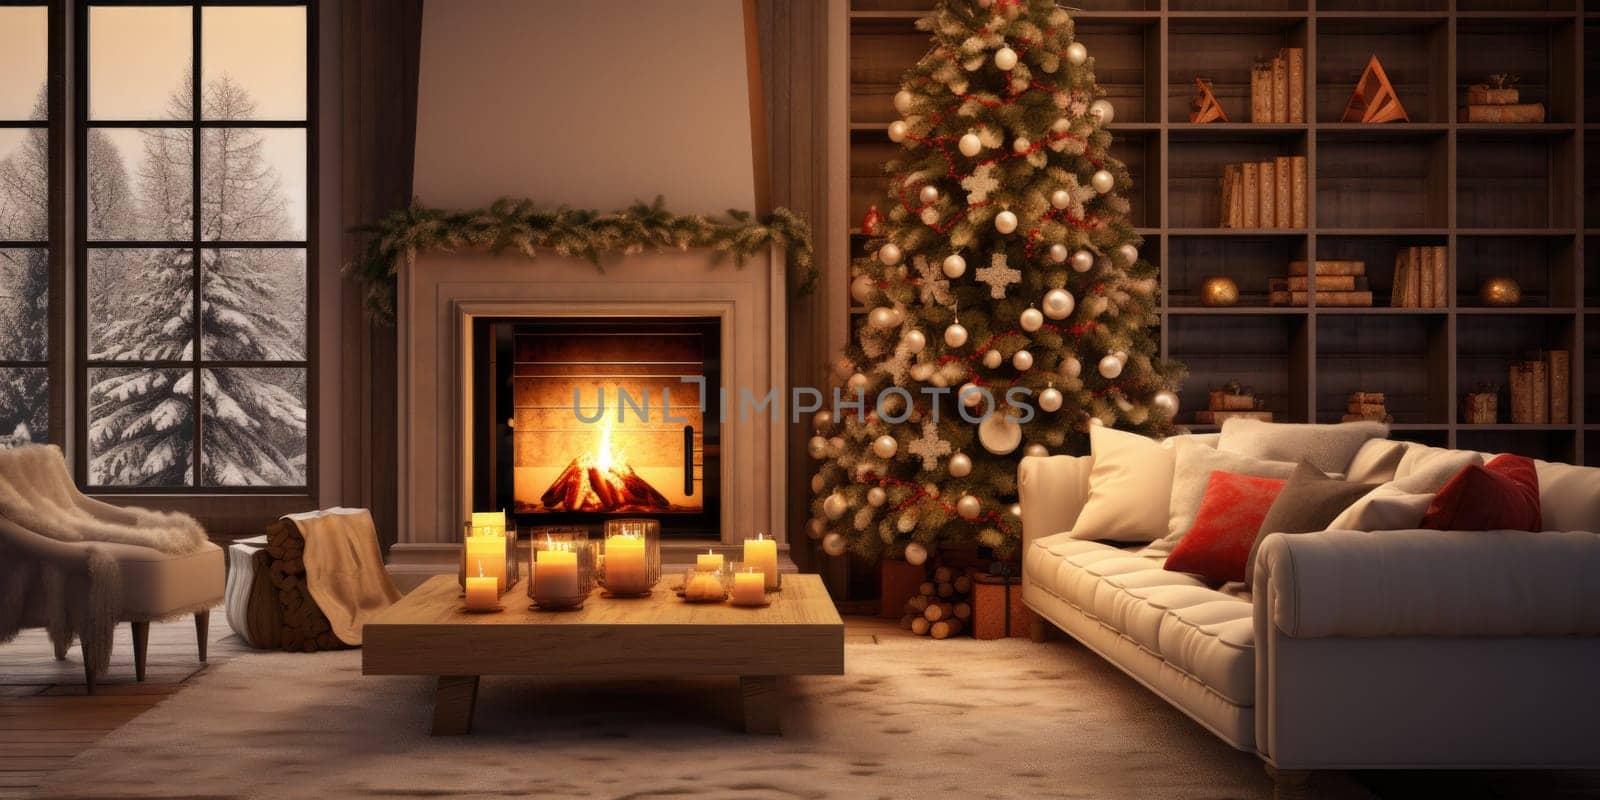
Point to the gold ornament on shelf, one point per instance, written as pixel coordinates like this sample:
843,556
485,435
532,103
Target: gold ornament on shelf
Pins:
1217,291
1500,291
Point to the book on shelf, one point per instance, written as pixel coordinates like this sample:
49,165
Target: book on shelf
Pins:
1369,398
1219,417
1261,92
1424,266
1233,192
1283,182
1280,88
1266,216
1326,266
1224,400
1482,94
1520,388
1559,370
1351,299
1296,57
1518,113
1250,198
1420,277
1297,191
1325,283
1540,381
1441,276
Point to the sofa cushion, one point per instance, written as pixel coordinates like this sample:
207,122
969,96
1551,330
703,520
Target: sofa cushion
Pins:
1309,501
1376,461
1192,471
1137,611
1500,495
156,585
1225,527
1569,496
1128,487
1329,448
1214,643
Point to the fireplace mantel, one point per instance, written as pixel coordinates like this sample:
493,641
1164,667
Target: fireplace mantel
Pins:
441,295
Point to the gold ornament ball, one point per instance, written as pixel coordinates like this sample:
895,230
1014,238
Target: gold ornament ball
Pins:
898,130
915,341
902,101
960,465
835,506
822,420
1219,291
969,507
1031,320
1077,53
1500,291
833,544
817,447
1166,402
876,496
992,358
916,554
970,145
929,194
954,266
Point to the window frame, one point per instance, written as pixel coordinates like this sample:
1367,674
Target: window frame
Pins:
54,244
196,245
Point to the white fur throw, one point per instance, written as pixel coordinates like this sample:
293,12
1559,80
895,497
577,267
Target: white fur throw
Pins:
37,493
72,592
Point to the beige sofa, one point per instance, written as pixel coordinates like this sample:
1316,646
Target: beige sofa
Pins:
1352,649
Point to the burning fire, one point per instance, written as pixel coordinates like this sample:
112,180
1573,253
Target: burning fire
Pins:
601,480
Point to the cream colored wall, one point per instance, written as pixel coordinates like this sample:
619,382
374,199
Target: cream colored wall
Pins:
592,105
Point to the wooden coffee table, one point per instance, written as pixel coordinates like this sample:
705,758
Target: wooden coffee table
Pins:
428,633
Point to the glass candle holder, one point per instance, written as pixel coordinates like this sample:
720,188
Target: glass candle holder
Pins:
487,552
561,567
747,585
705,585
630,556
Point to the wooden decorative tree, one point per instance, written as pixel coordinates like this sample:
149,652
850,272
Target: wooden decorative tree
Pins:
1374,99
1206,107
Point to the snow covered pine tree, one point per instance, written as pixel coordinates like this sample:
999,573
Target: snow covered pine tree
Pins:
142,426
25,285
1010,309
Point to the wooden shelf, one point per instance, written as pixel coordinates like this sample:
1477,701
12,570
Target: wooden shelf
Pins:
1504,199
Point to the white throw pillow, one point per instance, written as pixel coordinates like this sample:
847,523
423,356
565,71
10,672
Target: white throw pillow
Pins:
1329,448
1400,504
1192,469
1376,461
1129,485
1569,496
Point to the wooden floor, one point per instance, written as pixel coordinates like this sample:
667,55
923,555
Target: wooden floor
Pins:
45,716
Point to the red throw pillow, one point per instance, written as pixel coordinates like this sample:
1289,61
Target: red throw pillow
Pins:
1218,546
1502,495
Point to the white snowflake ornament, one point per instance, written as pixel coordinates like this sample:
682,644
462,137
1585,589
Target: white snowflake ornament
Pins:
999,275
930,447
979,184
933,286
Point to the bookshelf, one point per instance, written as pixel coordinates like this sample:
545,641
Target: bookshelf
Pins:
1504,199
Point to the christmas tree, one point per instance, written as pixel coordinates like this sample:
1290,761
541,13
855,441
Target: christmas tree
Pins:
1010,308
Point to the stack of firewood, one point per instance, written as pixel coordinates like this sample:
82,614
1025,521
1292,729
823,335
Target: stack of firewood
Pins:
942,606
305,627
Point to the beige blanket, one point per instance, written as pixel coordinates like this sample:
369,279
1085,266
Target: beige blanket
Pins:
344,568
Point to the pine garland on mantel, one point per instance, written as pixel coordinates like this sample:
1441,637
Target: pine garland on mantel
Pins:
512,224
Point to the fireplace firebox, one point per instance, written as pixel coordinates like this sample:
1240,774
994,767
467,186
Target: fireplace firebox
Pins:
587,419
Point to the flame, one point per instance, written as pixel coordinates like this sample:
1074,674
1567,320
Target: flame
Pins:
602,456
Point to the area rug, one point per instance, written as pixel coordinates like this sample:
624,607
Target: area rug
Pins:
911,718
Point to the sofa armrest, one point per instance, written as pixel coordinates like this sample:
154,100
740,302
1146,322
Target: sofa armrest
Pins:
1429,583
73,557
1052,490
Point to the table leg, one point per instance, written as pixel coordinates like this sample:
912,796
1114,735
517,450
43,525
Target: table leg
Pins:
760,694
453,702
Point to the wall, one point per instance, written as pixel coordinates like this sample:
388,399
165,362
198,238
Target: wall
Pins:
588,105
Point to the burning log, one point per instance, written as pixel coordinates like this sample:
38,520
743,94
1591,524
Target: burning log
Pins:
587,485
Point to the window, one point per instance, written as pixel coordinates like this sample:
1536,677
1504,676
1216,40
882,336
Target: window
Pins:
193,213
25,192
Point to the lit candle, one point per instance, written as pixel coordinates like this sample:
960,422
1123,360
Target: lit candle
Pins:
749,587
762,553
483,592
627,571
490,553
708,562
555,574
495,521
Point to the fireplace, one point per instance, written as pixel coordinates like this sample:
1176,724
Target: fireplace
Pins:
582,419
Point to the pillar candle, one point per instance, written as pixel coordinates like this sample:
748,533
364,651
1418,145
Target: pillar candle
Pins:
489,519
555,575
762,554
708,562
490,552
482,594
626,569
749,588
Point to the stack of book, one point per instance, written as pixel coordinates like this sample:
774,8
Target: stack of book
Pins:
1340,284
1420,278
1540,389
1278,87
1269,194
1231,401
1366,407
1486,103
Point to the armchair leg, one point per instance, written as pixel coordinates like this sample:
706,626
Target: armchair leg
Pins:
1291,784
141,646
202,630
61,647
88,677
